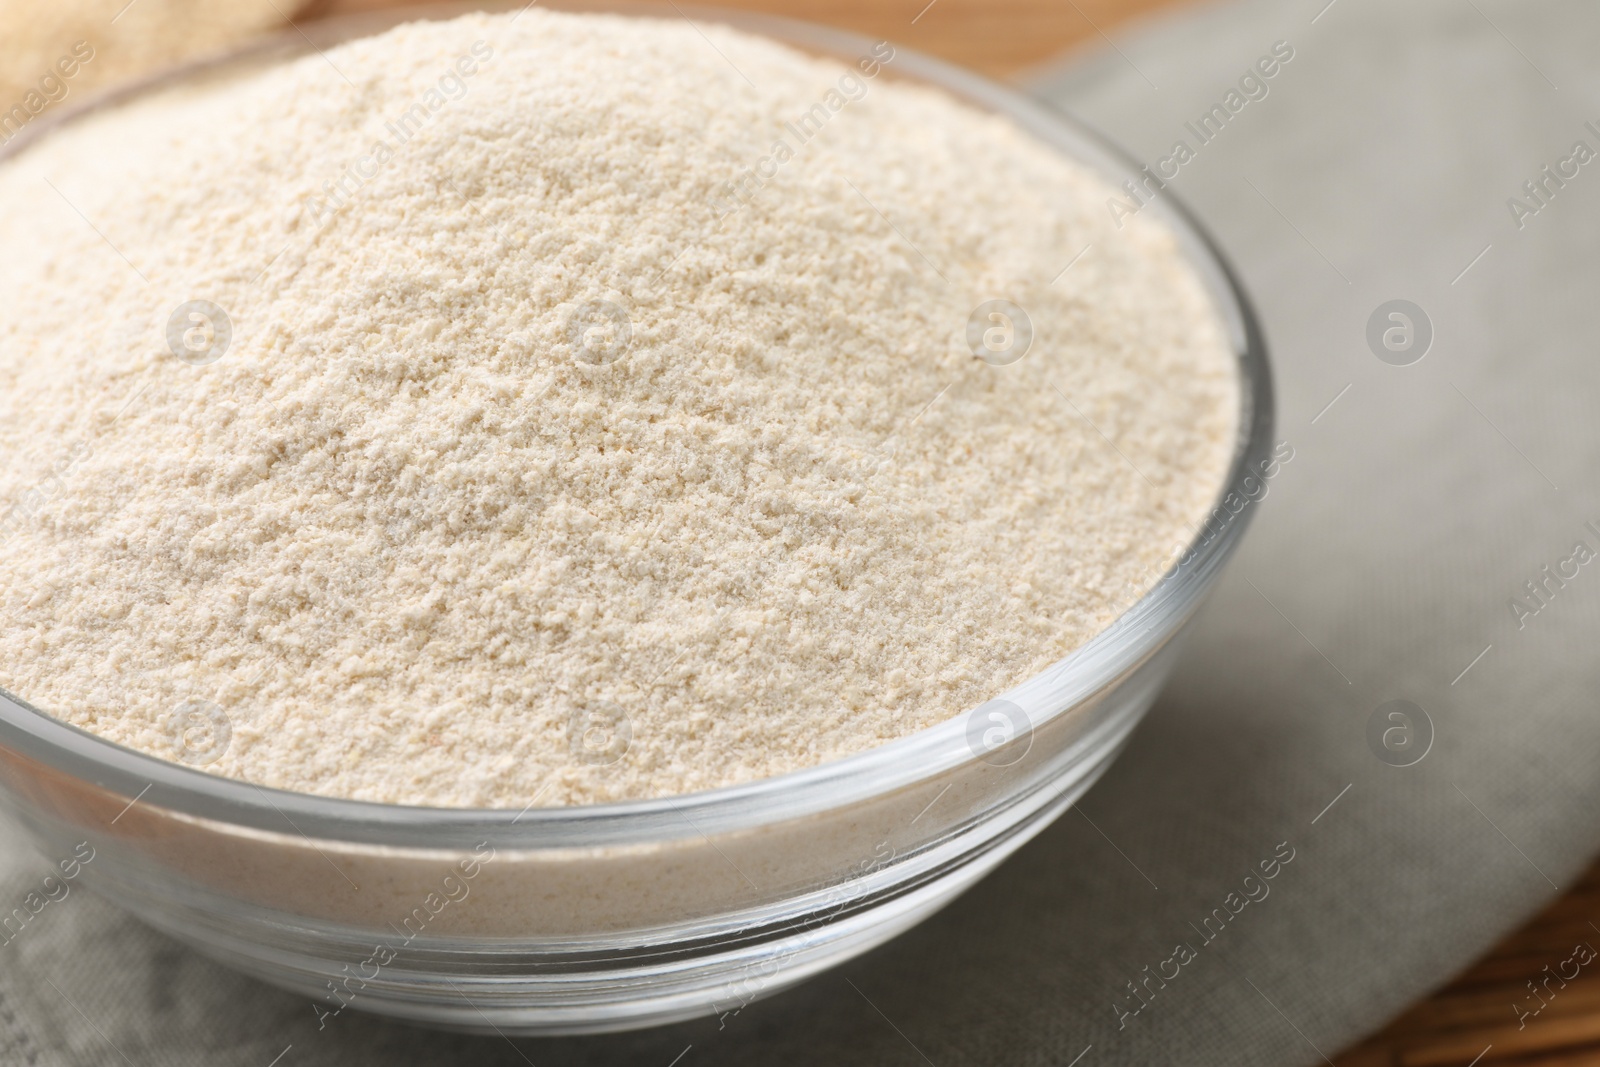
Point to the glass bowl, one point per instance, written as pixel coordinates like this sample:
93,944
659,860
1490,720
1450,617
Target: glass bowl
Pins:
609,917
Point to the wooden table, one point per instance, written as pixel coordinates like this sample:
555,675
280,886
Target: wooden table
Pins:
1474,1015
1001,38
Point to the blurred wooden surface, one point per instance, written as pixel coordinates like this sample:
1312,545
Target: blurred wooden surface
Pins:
998,37
1475,1016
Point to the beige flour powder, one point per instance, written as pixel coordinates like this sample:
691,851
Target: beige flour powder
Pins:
543,465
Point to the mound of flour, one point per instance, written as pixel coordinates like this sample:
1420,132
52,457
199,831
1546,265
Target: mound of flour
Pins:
489,412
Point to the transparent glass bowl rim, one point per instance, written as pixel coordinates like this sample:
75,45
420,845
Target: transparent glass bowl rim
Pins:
1085,672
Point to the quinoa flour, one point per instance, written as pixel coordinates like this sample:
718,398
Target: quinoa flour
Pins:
546,457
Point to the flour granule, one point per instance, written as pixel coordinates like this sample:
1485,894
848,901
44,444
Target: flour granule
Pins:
531,429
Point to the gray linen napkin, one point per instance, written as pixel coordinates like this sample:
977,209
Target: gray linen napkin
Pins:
1386,565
